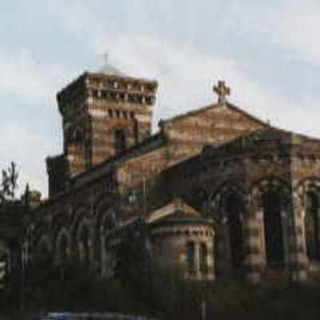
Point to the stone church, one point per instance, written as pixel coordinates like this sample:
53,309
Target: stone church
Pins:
215,192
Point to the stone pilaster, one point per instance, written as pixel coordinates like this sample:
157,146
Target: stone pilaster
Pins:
296,242
197,259
254,258
210,260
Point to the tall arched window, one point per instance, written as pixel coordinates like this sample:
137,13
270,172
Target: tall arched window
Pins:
273,227
229,211
191,258
120,140
312,225
234,208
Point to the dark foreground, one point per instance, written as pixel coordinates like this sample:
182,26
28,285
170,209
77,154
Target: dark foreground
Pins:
225,301
161,296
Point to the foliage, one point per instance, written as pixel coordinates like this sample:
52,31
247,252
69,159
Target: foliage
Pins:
8,183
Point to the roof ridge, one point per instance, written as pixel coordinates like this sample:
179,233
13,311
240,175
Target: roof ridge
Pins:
246,113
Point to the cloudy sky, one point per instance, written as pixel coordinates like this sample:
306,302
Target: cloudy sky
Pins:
267,51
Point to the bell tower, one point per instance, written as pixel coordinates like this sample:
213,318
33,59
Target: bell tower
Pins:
103,115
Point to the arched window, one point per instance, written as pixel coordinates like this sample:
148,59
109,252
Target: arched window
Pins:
273,227
311,225
191,258
120,140
229,212
233,209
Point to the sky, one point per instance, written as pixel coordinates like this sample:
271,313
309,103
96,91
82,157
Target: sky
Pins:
268,52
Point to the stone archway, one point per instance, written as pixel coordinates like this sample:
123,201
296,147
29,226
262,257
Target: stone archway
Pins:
312,225
308,204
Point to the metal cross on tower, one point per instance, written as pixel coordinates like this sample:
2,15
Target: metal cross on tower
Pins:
222,91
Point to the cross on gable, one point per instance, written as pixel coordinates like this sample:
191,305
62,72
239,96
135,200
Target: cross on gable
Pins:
222,91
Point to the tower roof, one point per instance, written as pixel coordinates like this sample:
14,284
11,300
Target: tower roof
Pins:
107,68
111,70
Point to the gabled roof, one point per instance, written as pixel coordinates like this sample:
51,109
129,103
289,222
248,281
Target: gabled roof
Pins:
177,210
213,106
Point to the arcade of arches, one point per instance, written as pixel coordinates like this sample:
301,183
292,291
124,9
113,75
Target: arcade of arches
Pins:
267,228
260,230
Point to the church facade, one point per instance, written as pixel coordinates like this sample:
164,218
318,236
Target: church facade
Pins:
215,193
